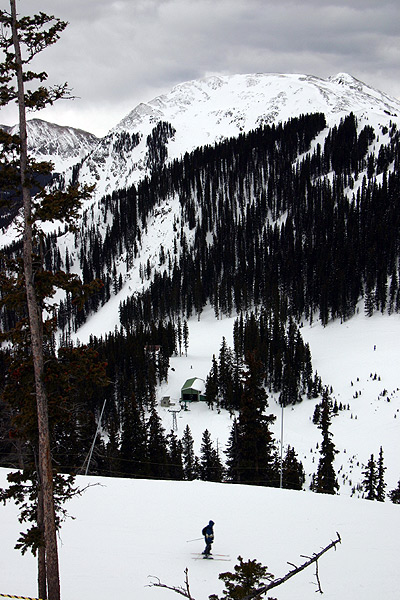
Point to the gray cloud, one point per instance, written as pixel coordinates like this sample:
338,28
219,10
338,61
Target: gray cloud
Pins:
117,53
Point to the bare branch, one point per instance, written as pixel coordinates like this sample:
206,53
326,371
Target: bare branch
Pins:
183,591
317,578
296,570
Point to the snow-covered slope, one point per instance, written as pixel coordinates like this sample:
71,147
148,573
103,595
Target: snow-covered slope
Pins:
128,530
357,358
207,110
62,145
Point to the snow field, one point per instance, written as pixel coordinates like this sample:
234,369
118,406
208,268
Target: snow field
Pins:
345,358
127,530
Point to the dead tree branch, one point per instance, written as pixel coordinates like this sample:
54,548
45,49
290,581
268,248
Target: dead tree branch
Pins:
313,559
317,578
183,591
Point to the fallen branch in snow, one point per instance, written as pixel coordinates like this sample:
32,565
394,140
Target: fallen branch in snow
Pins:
185,590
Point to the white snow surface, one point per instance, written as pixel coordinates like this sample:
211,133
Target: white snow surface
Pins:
127,530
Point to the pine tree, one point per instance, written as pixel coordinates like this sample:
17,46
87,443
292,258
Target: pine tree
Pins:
175,457
233,454
185,333
210,465
157,447
293,476
21,40
133,454
325,480
248,577
254,445
113,462
394,495
225,375
370,480
369,304
381,485
179,336
212,387
24,486
189,458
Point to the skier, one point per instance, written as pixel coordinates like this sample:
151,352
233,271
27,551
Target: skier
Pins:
208,533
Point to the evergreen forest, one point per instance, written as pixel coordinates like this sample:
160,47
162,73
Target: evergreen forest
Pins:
285,224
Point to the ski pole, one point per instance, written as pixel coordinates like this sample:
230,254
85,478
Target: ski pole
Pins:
195,540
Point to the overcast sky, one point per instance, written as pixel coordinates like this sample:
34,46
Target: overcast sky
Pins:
115,54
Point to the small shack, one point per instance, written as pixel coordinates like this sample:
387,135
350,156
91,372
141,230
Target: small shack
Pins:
193,390
166,401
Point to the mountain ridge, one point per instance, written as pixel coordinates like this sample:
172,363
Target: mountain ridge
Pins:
185,94
63,145
201,112
204,111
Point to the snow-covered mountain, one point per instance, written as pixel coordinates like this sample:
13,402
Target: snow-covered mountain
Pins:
62,145
358,358
202,112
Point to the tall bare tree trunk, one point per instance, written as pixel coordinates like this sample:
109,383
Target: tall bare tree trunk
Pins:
42,576
36,332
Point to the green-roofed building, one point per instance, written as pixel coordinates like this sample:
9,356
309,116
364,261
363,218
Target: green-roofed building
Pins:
193,390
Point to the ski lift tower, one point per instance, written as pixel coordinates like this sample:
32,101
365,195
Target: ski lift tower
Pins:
174,412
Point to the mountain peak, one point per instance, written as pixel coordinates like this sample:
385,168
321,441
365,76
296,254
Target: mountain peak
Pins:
61,144
205,111
345,79
259,97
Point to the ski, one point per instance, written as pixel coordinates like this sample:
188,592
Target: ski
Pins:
210,558
199,555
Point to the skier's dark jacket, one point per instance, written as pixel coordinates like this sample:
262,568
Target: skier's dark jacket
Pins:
208,532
